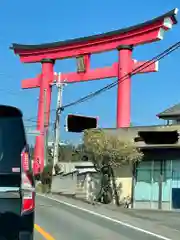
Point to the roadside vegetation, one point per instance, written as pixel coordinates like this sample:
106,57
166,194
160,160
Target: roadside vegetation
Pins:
106,151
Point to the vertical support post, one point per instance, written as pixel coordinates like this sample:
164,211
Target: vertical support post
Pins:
171,179
160,184
87,186
57,122
124,86
152,183
46,78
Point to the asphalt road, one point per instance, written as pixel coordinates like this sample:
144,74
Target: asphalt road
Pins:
55,220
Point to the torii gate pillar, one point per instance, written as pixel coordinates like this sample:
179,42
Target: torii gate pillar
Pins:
43,109
125,66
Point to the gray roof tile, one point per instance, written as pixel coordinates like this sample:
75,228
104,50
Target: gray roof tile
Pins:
170,112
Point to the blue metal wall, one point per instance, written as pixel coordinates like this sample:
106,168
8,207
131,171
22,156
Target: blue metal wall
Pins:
147,181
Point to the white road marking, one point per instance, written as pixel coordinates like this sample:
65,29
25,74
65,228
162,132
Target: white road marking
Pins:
106,217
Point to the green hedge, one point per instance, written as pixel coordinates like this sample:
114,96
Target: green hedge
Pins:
46,175
46,179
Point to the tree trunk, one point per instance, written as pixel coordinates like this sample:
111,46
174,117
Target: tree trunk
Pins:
134,167
115,187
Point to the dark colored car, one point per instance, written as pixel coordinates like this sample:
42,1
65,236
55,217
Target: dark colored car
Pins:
17,187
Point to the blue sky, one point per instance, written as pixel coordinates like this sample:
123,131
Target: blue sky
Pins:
33,22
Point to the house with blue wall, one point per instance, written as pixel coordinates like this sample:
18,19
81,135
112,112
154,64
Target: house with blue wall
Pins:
156,179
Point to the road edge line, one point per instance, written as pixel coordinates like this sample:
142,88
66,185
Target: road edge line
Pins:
106,217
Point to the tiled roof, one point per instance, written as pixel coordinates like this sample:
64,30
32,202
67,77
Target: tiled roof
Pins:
170,112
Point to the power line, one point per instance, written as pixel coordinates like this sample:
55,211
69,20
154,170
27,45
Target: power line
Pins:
10,92
33,119
158,57
141,67
29,120
50,124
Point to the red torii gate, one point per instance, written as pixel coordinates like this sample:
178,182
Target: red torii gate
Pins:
123,40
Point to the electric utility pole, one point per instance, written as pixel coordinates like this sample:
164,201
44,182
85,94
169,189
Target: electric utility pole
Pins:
59,85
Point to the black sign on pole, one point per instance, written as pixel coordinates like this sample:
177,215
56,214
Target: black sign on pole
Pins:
78,123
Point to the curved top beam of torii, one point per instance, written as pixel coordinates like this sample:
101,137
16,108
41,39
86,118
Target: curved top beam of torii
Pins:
149,31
